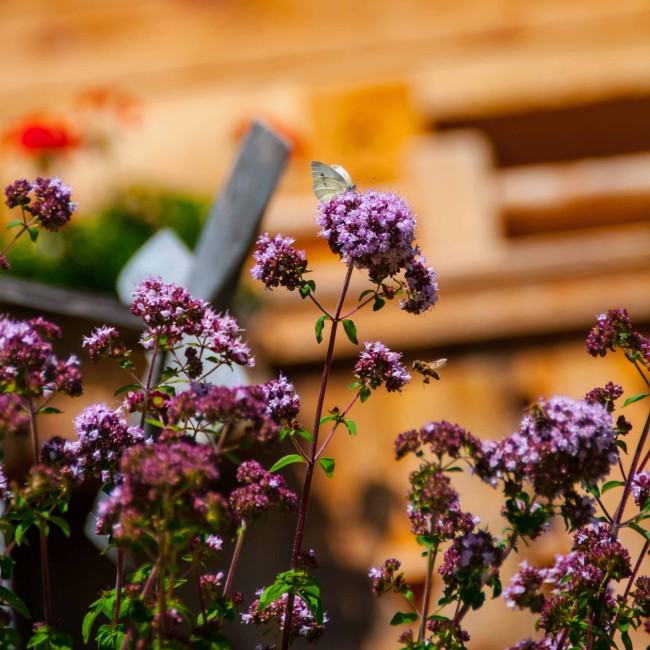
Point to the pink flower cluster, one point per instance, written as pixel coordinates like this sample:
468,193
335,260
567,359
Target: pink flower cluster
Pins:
50,204
28,365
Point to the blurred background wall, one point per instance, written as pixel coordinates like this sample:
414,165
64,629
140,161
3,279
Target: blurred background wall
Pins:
519,131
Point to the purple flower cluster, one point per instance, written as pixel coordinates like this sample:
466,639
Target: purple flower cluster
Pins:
448,633
605,396
303,623
51,205
372,230
434,507
441,437
165,487
375,231
103,437
613,329
421,287
377,366
278,263
170,314
208,405
524,591
283,401
27,361
104,343
168,311
641,595
473,553
260,490
157,403
18,193
387,579
560,443
470,564
582,575
641,488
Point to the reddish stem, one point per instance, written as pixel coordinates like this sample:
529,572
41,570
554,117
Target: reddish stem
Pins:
45,578
235,559
119,580
311,461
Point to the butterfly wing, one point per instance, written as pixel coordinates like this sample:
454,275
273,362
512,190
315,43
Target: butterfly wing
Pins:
329,181
345,176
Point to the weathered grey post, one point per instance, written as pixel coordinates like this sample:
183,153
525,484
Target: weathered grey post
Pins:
235,215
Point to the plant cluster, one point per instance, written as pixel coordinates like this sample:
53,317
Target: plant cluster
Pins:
161,454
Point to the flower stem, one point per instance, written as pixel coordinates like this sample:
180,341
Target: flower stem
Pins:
311,461
33,428
147,387
627,489
197,577
431,561
45,577
235,558
119,579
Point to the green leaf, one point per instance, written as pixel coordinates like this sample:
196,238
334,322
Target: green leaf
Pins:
350,330
351,426
154,423
328,418
320,324
610,485
62,524
89,620
22,529
33,234
303,433
364,394
361,297
307,287
642,531
635,398
401,618
593,490
622,445
109,638
328,465
378,303
13,601
48,410
627,642
123,389
6,567
287,460
14,223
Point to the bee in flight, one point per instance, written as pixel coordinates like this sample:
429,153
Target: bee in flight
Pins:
429,369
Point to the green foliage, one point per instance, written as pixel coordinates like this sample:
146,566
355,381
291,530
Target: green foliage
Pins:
90,252
350,330
287,460
299,583
48,638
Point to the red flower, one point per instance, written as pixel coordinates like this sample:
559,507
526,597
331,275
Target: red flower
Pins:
43,135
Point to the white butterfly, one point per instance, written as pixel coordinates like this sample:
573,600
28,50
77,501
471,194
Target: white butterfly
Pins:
330,181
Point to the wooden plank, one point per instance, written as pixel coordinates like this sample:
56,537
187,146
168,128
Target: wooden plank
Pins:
234,218
57,300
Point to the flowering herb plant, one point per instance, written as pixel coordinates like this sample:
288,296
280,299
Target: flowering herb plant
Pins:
161,455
